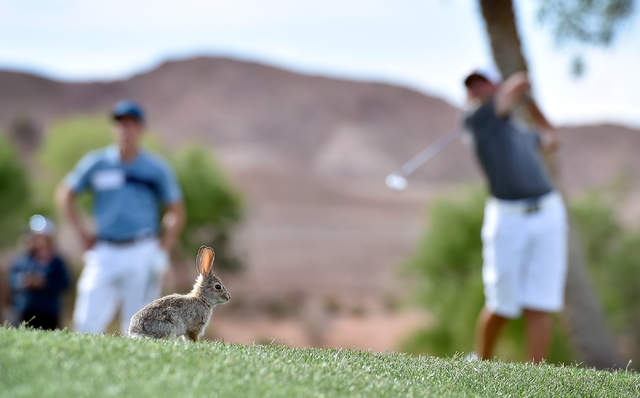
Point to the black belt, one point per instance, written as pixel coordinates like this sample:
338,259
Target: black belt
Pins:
126,241
532,205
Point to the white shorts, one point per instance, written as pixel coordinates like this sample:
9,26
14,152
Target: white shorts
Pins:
115,277
525,255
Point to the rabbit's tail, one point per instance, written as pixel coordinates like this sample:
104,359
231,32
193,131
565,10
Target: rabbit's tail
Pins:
136,336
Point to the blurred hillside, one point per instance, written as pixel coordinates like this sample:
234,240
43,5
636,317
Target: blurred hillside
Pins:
310,155
261,117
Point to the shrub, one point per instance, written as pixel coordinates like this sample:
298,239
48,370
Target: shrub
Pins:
14,194
213,207
69,140
613,257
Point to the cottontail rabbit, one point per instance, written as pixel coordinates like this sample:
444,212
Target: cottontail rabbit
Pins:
183,315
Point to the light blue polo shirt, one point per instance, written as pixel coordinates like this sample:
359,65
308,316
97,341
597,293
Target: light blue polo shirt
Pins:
127,196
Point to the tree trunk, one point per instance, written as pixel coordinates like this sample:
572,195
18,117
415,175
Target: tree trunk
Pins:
583,316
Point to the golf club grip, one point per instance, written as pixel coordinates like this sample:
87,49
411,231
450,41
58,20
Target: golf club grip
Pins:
432,150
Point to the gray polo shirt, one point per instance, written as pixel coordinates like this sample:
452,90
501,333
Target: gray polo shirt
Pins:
508,154
127,196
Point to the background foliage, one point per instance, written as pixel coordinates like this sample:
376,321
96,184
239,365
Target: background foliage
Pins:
70,139
14,193
213,206
613,256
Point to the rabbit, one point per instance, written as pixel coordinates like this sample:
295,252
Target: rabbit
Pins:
185,316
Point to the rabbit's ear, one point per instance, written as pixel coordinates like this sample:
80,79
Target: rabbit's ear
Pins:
204,261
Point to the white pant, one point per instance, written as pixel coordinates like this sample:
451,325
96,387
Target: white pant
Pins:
115,276
525,256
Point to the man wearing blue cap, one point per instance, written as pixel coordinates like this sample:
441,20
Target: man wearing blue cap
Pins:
138,212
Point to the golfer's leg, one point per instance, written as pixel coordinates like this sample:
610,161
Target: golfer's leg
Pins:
546,270
545,276
538,326
503,244
488,329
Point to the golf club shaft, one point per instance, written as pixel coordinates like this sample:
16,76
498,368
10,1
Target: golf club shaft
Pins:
432,150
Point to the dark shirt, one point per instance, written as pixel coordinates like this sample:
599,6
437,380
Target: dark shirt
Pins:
508,154
45,300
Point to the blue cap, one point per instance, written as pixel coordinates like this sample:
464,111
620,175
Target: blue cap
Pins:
128,108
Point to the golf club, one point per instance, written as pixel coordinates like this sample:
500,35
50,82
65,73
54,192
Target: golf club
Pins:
397,180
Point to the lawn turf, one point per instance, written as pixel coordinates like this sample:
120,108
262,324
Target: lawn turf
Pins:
62,364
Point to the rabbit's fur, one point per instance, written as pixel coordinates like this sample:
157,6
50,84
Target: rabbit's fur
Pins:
183,315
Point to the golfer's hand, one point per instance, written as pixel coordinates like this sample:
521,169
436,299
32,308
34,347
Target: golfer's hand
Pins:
550,141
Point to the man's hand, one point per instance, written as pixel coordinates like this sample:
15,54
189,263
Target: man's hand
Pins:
89,241
160,262
172,222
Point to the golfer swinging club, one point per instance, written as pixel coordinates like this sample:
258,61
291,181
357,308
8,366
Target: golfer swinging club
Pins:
524,233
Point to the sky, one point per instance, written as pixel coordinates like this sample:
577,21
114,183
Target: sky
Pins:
427,45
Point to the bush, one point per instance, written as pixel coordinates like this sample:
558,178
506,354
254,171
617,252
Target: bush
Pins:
613,257
69,140
213,207
14,194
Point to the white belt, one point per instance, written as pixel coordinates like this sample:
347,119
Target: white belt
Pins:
525,206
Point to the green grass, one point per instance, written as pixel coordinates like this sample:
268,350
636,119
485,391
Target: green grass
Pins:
61,364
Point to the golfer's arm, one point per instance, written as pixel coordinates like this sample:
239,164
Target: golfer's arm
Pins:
511,92
172,223
66,201
548,134
536,115
514,90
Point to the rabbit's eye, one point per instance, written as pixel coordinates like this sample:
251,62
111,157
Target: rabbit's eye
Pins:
218,287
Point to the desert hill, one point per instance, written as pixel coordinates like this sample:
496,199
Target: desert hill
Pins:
310,154
261,116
